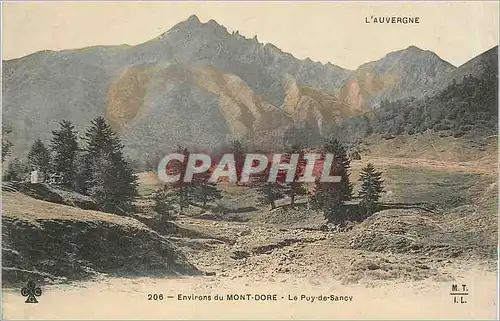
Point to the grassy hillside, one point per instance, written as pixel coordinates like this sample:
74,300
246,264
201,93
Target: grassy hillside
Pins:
50,242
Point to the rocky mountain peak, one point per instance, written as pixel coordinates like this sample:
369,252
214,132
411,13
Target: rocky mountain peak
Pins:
413,49
411,53
193,18
194,23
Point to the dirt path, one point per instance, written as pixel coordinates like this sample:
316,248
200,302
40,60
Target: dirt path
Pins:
128,298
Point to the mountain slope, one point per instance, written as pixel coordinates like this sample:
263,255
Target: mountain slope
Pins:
487,62
197,84
467,106
400,74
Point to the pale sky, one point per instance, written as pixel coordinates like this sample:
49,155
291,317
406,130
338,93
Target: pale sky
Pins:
322,31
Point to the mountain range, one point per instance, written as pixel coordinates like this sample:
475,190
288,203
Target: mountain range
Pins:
199,85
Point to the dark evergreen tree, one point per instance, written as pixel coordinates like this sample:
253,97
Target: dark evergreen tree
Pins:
371,188
80,173
109,178
6,144
180,196
206,192
202,191
16,171
39,157
269,193
296,188
163,204
64,148
331,196
179,191
238,151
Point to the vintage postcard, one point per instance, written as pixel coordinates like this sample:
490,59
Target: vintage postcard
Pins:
249,160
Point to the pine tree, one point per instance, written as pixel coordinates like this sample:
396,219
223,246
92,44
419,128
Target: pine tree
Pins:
201,190
238,151
269,192
296,188
180,196
6,144
163,204
331,196
180,190
16,171
371,188
109,178
80,173
39,157
64,147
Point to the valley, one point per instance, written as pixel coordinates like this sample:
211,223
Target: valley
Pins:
85,216
438,229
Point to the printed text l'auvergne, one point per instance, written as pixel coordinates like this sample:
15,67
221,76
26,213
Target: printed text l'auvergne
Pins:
392,20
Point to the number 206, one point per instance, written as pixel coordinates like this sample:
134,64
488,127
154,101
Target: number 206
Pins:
155,297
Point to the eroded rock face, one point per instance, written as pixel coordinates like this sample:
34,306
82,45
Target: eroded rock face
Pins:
316,107
203,106
125,96
245,112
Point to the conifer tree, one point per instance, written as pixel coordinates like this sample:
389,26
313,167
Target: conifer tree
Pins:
201,190
80,173
163,204
6,144
108,177
371,188
296,188
64,148
180,190
269,192
331,196
238,151
16,171
39,157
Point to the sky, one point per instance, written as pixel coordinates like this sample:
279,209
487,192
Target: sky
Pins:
333,32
